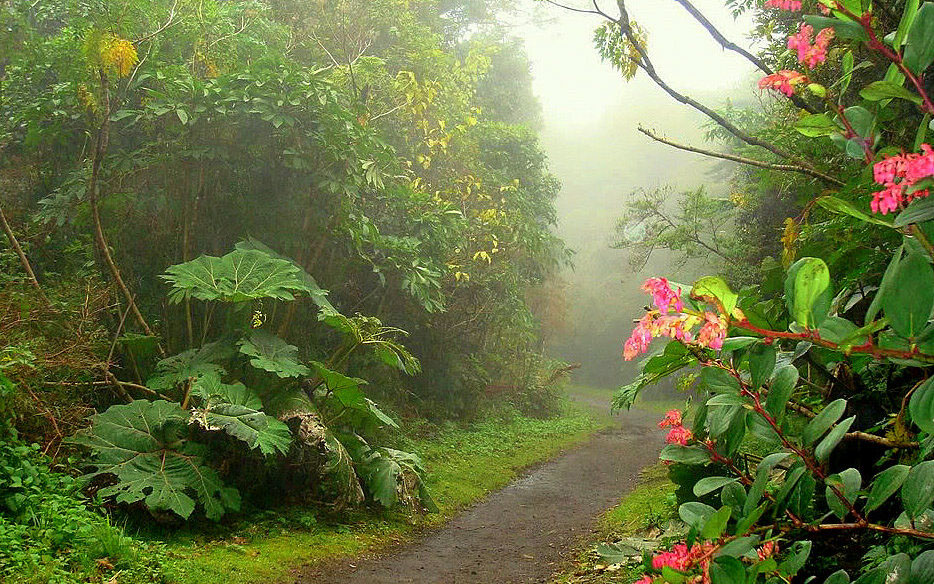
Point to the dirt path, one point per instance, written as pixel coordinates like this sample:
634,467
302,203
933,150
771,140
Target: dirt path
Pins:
521,533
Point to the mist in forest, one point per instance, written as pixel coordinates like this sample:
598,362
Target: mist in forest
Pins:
591,115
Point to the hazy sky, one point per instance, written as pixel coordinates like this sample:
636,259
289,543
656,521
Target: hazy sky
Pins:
591,114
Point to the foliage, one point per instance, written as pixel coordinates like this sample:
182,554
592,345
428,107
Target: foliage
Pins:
820,361
48,530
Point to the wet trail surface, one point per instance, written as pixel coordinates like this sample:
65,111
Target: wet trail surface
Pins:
521,533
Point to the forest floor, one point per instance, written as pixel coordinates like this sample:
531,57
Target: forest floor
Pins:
524,532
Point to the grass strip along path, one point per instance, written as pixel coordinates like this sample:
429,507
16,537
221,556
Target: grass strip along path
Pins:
266,548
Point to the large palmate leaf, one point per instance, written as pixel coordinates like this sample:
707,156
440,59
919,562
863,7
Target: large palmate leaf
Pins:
251,426
142,444
241,275
190,365
345,394
210,389
318,295
391,476
270,353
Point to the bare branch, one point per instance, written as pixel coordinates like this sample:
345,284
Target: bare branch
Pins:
730,46
742,160
23,260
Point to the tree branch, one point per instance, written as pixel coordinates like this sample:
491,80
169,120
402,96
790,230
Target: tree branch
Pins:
730,46
22,257
742,160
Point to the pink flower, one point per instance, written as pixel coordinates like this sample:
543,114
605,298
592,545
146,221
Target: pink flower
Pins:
673,327
662,295
793,5
897,174
672,418
810,55
783,81
679,435
713,332
768,549
638,341
801,41
678,558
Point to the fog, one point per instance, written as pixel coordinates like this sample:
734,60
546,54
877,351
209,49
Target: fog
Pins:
591,115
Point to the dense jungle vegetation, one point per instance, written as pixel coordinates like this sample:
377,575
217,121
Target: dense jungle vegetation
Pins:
244,243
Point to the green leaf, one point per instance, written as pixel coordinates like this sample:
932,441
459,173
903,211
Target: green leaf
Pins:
848,483
919,52
744,524
918,490
239,276
318,295
841,207
921,406
695,514
711,484
270,353
885,484
908,17
841,331
814,125
823,421
910,298
782,386
739,546
182,116
711,288
844,29
826,446
847,64
838,577
349,394
807,291
922,568
799,556
189,366
885,286
761,363
211,390
685,454
919,211
253,427
727,570
717,380
143,446
879,90
716,523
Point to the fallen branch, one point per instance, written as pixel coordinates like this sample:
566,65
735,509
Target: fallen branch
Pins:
742,160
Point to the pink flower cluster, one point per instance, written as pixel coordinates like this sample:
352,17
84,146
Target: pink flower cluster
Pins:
783,81
898,173
663,296
713,332
682,558
678,433
793,5
768,549
810,55
677,325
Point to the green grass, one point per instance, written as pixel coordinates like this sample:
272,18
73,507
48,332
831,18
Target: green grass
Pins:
265,548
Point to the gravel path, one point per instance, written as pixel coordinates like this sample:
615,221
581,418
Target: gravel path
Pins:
523,532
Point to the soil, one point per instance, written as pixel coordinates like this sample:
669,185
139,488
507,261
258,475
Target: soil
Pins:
524,532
